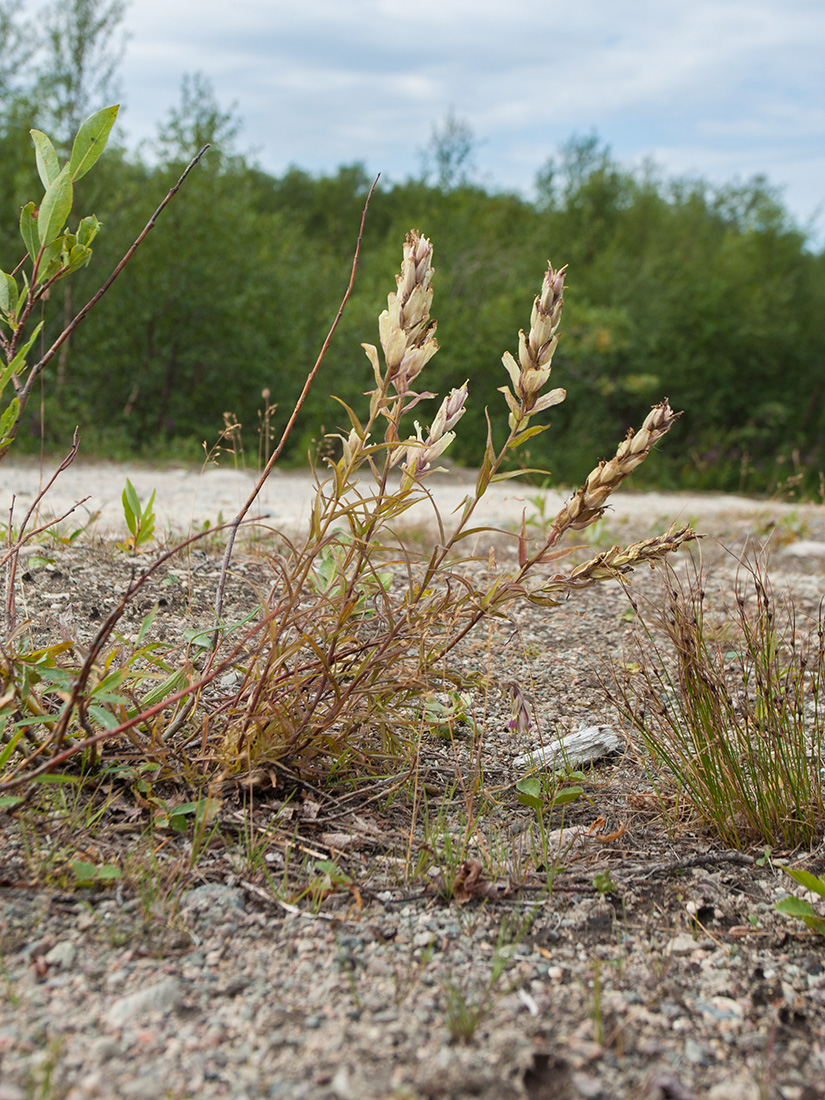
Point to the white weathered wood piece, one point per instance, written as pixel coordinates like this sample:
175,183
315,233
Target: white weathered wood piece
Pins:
583,746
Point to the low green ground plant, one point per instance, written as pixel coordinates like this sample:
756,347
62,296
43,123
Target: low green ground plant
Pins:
468,1002
728,706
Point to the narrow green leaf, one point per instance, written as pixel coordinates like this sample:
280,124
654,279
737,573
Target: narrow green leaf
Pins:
353,419
14,295
28,229
8,418
6,293
130,492
515,473
809,881
91,141
9,800
172,682
48,166
8,748
103,717
146,625
528,433
18,363
484,474
131,507
55,208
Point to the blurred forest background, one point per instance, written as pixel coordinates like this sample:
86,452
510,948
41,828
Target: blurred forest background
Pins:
710,295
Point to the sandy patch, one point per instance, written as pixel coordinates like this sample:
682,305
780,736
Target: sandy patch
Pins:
189,497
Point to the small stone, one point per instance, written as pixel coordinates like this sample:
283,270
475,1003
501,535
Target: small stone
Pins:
682,944
63,954
161,997
721,1008
738,1088
805,548
589,1088
149,1086
340,1084
105,1048
694,1054
211,895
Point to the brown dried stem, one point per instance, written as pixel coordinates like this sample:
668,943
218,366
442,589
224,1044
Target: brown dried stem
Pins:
276,454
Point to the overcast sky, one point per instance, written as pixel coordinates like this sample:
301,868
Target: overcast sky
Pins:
720,88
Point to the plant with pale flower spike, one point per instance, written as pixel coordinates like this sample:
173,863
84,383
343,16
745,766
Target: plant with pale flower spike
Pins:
353,638
405,329
535,354
363,655
421,453
588,504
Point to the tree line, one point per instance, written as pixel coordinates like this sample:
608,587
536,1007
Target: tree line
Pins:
710,295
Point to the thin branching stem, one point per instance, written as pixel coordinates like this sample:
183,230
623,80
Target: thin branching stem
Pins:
276,454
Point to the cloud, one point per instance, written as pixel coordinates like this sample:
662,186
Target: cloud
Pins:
321,82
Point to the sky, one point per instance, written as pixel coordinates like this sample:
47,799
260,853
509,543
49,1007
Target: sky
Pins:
723,89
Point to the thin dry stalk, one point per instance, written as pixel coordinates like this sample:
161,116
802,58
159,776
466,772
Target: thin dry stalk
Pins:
276,454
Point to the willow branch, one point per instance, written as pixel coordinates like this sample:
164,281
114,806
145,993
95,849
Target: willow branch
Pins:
40,366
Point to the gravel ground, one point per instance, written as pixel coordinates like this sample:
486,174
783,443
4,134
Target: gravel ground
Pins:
642,961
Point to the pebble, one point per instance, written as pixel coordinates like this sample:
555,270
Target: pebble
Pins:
63,954
694,1054
681,944
161,997
738,1088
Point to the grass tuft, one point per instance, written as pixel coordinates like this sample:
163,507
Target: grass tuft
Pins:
730,709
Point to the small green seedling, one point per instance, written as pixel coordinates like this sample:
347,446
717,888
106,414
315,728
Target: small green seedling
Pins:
443,712
89,874
604,883
531,792
140,521
798,907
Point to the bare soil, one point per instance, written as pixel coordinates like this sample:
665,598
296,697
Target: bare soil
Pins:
313,947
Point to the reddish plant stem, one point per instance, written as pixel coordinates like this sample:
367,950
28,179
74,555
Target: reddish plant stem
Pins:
276,454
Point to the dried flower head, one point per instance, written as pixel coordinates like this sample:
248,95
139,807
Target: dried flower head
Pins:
536,349
421,453
406,332
589,502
